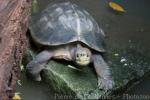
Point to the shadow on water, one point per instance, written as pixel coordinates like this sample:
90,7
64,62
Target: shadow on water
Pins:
122,30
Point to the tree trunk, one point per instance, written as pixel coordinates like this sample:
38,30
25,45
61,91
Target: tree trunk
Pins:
13,26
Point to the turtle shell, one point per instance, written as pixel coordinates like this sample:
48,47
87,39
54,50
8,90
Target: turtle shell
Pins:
64,23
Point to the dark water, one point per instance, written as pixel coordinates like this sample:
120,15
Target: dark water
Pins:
122,30
141,91
31,90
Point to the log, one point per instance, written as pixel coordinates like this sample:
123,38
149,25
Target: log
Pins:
13,26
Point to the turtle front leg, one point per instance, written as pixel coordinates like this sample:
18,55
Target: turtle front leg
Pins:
105,80
38,63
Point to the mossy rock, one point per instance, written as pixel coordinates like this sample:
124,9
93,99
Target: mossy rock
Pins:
126,64
80,84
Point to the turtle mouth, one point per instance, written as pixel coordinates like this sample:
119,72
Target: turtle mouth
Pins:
83,62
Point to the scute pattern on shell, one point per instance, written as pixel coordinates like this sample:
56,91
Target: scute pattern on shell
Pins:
63,23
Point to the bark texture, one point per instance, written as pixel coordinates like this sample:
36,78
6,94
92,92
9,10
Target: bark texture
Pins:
13,26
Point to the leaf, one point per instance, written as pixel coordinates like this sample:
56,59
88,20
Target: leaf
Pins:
16,96
116,7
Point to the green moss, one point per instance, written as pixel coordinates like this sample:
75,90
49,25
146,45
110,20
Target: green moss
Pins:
28,56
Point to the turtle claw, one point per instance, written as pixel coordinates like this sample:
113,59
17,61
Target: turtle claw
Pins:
105,84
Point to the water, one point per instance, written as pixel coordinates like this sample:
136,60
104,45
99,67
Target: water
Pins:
31,90
140,91
130,29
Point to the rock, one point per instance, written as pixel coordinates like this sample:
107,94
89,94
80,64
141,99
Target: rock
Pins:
80,84
83,84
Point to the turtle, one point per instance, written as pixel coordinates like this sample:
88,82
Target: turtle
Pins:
70,33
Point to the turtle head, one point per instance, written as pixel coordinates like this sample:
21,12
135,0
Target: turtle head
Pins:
82,56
